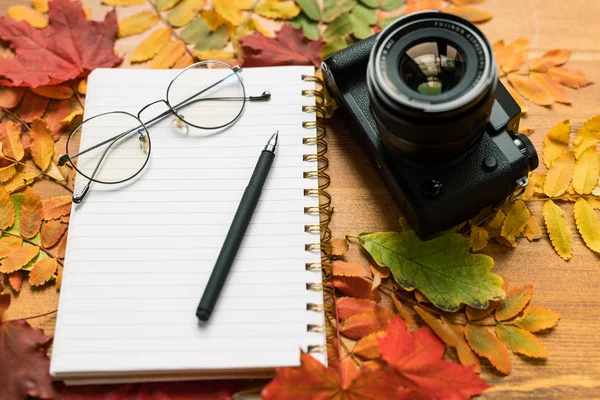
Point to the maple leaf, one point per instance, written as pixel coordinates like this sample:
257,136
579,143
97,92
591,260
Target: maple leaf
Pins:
70,47
289,47
418,365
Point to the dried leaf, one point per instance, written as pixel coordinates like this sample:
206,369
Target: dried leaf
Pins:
572,78
56,172
550,59
365,323
556,91
368,346
59,278
19,258
422,5
32,106
558,229
42,271
16,280
278,9
532,230
443,331
379,274
137,23
152,45
587,171
355,286
10,97
9,244
559,175
502,53
56,207
556,142
516,300
75,118
29,15
31,213
12,146
339,246
185,12
57,92
465,354
479,237
184,61
21,180
42,143
348,306
213,55
231,10
472,14
530,90
52,231
594,203
443,269
484,343
7,172
475,314
343,268
537,318
537,180
496,223
332,9
400,310
56,112
516,218
520,341
587,136
518,51
466,2
588,224
62,246
169,55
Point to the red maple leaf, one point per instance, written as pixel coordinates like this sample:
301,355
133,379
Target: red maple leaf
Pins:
70,47
289,47
417,365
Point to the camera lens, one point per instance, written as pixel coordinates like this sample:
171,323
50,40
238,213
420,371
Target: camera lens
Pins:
431,79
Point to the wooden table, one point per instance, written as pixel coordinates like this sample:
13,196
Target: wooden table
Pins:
362,203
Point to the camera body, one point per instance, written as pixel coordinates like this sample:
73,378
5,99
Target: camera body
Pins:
434,196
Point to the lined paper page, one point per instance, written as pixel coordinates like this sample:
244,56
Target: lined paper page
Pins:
139,254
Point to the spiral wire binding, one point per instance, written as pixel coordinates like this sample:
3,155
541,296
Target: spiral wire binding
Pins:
324,209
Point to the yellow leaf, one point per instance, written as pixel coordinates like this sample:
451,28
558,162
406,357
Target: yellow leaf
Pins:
484,343
560,174
495,225
123,3
368,346
339,246
588,224
558,229
18,259
518,51
184,61
151,45
443,331
169,55
40,5
520,341
572,78
29,15
515,221
59,278
465,354
214,55
537,180
31,213
164,5
21,180
556,91
185,12
472,14
212,19
530,90
537,318
594,203
514,302
229,10
502,54
137,23
7,210
11,141
587,171
82,86
42,271
556,141
278,9
480,237
74,116
529,190
56,207
42,143
552,58
59,92
587,136
7,172
88,13
532,230
9,244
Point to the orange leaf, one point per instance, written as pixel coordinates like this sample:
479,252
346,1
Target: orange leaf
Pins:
472,14
52,231
537,318
557,92
16,280
475,314
339,246
552,58
484,343
58,92
532,230
56,207
11,141
59,278
530,90
32,106
19,258
403,314
463,350
31,213
559,175
42,143
348,306
379,274
466,2
365,323
62,246
184,61
516,300
57,111
519,49
42,271
9,244
368,346
355,286
520,101
420,298
10,96
556,142
420,5
443,331
520,341
7,210
502,54
168,55
572,78
343,268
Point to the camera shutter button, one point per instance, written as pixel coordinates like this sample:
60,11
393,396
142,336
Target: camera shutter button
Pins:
490,163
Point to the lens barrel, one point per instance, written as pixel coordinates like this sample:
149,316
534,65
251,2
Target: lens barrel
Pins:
431,79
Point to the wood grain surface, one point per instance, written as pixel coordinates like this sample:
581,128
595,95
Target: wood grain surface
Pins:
361,202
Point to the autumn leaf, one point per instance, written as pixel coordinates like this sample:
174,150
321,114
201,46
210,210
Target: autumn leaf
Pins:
277,9
587,136
21,180
289,47
42,143
556,142
586,171
368,346
475,314
51,233
338,29
312,380
12,146
530,90
588,224
355,286
537,318
532,229
70,47
56,207
310,8
137,23
184,61
485,344
8,244
232,10
200,34
10,97
123,3
516,300
28,15
379,274
345,306
32,106
418,366
572,78
57,92
7,172
520,341
472,14
168,55
558,229
552,88
40,5
365,323
520,101
339,246
7,210
343,268
516,218
550,59
422,5
31,209
151,45
62,246
19,258
559,175
441,268
332,9
185,12
16,280
42,271
516,56
56,111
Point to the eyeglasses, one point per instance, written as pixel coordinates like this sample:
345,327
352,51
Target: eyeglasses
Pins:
116,146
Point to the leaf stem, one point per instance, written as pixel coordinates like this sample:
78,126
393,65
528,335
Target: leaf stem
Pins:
32,317
76,93
51,178
31,242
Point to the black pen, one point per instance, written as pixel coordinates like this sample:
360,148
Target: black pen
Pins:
237,230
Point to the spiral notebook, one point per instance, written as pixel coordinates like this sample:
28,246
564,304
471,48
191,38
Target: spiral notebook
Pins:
138,256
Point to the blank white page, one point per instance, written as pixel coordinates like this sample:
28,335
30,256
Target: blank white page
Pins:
139,255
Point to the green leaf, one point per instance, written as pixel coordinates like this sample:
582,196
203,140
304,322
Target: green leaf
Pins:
332,9
370,3
310,29
17,200
200,34
387,21
164,5
335,46
441,268
339,28
365,14
520,341
360,29
310,8
391,5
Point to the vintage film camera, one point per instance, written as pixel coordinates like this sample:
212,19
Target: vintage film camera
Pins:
424,100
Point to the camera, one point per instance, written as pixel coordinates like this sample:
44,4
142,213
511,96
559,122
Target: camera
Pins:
424,100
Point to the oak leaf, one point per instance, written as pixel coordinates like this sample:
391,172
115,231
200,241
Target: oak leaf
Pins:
42,143
339,246
348,306
520,341
368,346
530,90
137,23
365,323
550,59
7,210
19,258
556,142
28,15
56,207
586,171
587,136
559,175
418,366
588,224
151,45
31,213
12,146
514,223
9,244
537,318
10,97
532,229
514,302
570,77
472,14
555,90
169,55
42,271
57,92
52,232
484,343
70,47
558,229
289,47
